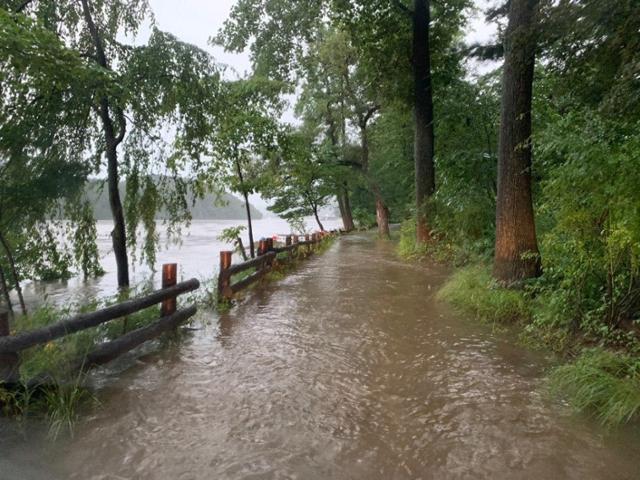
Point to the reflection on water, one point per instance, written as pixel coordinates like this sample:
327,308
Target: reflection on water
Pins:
346,369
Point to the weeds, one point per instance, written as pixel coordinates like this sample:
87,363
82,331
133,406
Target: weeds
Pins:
601,382
473,290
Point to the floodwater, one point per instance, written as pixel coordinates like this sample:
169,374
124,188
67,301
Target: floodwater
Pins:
346,369
196,254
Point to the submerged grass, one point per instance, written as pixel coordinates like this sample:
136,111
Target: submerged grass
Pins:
473,291
60,399
597,381
601,382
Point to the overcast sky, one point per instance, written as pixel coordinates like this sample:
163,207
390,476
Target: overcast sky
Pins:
195,21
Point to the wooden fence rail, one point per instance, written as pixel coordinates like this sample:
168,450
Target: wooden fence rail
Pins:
170,318
263,263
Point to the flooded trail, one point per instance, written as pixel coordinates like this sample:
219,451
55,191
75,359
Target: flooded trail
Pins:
346,369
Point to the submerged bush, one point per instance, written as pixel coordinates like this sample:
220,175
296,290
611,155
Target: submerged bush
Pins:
602,382
473,290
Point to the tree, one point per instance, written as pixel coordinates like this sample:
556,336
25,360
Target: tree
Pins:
161,85
299,179
516,249
423,110
46,88
241,136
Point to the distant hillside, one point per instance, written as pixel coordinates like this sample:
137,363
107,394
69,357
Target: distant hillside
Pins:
227,207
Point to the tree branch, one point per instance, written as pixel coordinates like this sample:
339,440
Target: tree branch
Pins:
122,124
402,7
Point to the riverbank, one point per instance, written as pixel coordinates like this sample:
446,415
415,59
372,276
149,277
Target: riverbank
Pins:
597,368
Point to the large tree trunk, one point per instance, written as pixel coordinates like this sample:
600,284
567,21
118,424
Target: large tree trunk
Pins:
112,140
423,112
345,209
516,250
14,272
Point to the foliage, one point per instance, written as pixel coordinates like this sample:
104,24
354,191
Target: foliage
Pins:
603,383
474,291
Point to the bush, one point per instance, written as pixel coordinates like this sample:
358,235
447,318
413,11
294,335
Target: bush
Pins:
473,290
602,382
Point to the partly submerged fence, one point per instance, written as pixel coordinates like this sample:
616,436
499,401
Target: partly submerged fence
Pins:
170,318
268,257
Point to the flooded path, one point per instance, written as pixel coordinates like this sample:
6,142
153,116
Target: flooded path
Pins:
346,369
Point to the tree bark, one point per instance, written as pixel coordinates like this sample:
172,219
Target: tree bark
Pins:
112,140
118,235
424,139
315,214
5,290
345,209
247,206
516,250
382,211
14,272
382,217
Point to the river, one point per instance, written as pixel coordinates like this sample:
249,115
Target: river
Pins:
346,369
196,255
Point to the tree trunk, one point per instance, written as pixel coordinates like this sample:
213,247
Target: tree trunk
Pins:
315,214
118,235
5,290
112,140
382,211
382,217
516,249
247,206
14,272
424,140
345,209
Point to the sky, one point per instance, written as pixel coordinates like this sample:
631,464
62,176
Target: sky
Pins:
195,21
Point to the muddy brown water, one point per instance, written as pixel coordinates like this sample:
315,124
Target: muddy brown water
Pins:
346,369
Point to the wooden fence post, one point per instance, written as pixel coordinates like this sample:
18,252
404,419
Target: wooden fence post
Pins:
169,279
262,247
269,248
8,361
224,281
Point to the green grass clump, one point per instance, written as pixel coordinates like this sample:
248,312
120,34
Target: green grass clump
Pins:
473,290
602,382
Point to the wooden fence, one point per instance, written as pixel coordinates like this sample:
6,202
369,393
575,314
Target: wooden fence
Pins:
170,318
268,256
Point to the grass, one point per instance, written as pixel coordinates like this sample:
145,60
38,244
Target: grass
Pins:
60,399
473,291
602,383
